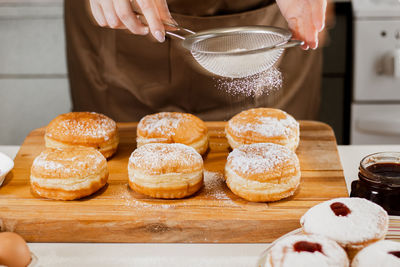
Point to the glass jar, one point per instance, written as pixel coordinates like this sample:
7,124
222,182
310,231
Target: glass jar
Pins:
379,180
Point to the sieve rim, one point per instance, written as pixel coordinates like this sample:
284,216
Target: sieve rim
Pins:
190,40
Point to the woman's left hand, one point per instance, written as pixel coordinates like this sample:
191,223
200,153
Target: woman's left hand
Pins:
306,19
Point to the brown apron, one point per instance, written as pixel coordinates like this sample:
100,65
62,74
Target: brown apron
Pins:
127,77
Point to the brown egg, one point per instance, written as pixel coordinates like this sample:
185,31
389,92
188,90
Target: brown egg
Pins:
13,250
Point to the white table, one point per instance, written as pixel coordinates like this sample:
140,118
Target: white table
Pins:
146,255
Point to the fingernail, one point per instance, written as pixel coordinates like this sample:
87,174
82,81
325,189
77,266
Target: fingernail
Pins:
159,36
315,46
145,31
322,27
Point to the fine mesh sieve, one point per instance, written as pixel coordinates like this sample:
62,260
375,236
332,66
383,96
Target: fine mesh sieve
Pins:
238,52
235,52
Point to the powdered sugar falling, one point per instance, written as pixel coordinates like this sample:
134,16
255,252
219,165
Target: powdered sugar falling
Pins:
254,85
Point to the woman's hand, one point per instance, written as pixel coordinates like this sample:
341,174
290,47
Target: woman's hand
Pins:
118,14
306,19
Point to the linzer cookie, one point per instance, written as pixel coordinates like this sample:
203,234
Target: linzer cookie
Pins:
352,222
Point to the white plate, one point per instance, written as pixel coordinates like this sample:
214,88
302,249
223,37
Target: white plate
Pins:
6,165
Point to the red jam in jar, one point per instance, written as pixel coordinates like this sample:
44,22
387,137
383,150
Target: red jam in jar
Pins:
379,180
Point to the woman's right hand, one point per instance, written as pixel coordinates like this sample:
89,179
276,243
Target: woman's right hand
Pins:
118,14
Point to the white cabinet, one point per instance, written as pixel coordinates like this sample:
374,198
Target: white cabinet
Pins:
33,75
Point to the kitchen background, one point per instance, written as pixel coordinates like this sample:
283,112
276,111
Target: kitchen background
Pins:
360,90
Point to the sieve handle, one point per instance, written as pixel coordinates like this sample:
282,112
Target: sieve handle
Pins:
173,25
290,43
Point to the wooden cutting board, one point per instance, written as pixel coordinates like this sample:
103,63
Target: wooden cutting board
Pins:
214,214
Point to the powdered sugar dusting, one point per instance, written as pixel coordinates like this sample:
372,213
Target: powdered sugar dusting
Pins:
366,221
69,162
284,254
161,124
265,126
157,156
214,185
83,124
258,157
378,254
128,200
254,85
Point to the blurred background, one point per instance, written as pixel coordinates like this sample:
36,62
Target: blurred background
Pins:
360,85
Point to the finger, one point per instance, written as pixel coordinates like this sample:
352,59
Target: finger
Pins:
110,14
311,32
163,11
150,12
164,14
128,18
98,13
303,33
318,11
294,26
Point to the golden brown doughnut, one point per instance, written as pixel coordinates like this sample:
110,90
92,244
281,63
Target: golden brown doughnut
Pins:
263,125
262,172
165,170
69,173
173,127
83,129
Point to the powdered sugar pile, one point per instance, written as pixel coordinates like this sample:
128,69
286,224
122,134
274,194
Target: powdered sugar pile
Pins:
214,185
254,85
265,126
156,156
258,158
